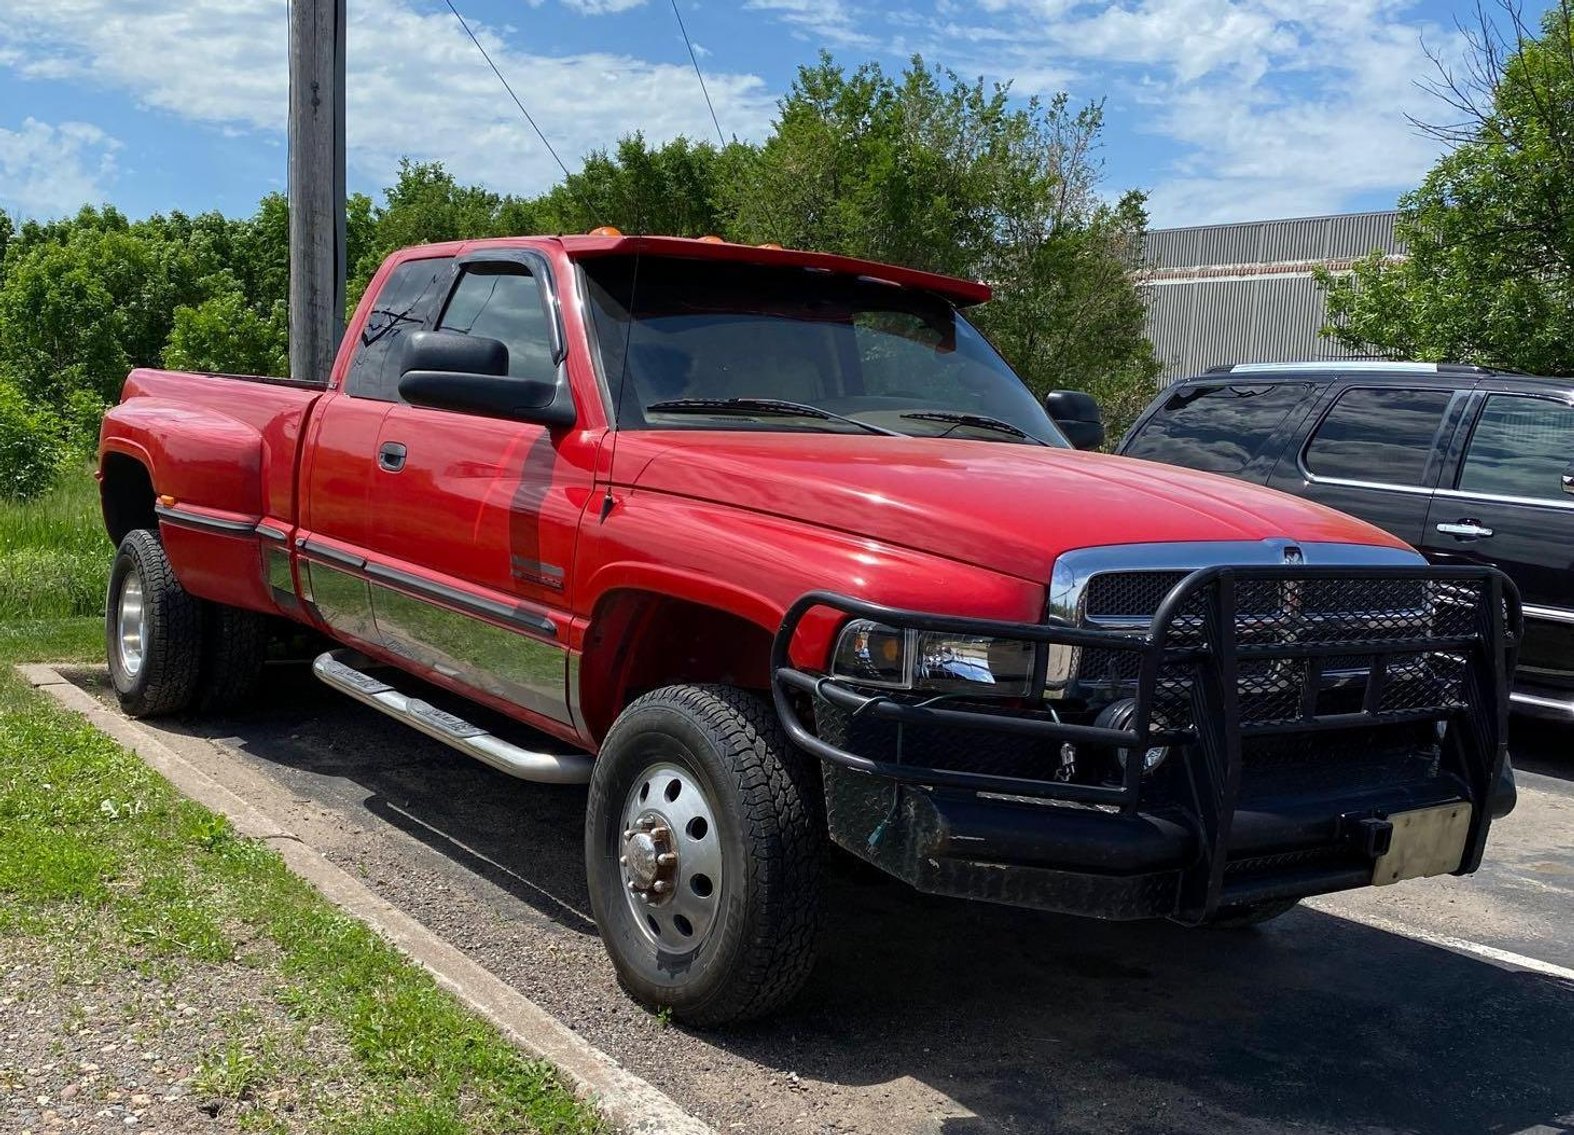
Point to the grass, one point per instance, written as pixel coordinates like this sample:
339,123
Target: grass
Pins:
54,556
113,871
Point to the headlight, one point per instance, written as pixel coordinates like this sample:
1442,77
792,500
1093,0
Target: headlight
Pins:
879,655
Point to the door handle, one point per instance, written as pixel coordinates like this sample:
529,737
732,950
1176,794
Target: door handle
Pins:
1466,530
391,455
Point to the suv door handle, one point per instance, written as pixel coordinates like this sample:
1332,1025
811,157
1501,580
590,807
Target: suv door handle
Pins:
391,455
1466,530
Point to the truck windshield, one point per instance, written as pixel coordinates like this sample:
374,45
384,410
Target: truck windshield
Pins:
711,334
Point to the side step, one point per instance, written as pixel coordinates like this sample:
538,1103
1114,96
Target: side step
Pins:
546,768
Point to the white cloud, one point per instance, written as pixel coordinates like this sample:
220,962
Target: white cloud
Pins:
1266,107
417,86
47,170
601,7
836,22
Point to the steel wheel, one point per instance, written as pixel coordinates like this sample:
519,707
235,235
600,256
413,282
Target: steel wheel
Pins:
670,858
131,624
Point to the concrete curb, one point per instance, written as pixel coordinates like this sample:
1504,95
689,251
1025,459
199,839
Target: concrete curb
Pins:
632,1104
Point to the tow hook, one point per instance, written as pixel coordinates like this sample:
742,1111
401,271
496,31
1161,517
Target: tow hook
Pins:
1372,834
649,859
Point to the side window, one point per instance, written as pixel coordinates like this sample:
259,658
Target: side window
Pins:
503,302
1217,429
1521,447
407,298
1382,436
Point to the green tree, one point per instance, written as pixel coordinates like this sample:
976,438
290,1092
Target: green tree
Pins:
670,189
228,333
1489,275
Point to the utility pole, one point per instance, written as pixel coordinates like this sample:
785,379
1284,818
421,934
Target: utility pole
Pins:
316,167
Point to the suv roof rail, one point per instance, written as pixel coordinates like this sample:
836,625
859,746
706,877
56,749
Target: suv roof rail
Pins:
1348,366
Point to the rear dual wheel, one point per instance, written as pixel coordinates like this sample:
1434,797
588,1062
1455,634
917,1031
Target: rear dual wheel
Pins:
704,845
169,650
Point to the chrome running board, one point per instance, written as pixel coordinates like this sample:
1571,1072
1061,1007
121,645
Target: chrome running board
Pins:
545,768
1548,709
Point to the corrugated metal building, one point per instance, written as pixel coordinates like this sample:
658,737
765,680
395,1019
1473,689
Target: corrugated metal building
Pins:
1244,292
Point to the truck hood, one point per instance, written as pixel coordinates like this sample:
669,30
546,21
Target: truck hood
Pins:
1007,507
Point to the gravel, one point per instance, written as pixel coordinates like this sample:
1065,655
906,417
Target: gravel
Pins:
87,1047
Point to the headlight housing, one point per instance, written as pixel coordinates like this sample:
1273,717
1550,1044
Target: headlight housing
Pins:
874,654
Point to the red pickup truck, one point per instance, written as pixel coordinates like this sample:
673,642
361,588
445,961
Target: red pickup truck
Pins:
773,550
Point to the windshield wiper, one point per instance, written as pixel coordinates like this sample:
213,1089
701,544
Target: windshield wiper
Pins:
979,421
775,406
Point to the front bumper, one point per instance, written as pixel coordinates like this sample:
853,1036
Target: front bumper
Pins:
921,790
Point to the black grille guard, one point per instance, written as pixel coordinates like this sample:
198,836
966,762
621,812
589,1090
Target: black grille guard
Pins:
1192,655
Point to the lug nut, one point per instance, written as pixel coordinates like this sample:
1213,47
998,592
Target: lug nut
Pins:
666,859
633,886
623,860
660,833
661,886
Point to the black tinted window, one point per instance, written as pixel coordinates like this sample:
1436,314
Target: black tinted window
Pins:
672,330
1521,447
1217,429
1384,436
403,305
504,303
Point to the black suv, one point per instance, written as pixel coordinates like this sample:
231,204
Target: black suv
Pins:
1469,465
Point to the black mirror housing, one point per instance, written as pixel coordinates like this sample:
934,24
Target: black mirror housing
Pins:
1077,415
454,352
490,395
448,370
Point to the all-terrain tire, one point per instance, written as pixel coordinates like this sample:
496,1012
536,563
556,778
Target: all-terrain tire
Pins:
234,647
1250,914
157,674
766,797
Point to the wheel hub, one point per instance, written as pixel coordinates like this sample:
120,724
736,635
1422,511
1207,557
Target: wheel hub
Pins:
650,858
131,624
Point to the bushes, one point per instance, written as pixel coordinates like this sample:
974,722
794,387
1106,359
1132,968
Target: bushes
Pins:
31,447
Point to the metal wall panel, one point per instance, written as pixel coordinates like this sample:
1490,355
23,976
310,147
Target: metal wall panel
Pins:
1297,239
1268,309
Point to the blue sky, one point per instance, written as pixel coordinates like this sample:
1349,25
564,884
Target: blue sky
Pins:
1221,109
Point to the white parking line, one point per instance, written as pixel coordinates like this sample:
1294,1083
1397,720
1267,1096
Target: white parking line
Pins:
1457,945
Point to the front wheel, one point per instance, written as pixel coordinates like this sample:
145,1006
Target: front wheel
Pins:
704,843
152,630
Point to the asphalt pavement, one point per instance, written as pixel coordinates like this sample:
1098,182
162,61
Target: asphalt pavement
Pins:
1434,1006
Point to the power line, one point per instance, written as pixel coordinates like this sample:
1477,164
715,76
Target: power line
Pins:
515,97
695,59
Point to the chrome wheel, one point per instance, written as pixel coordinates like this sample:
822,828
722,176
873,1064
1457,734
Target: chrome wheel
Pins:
131,624
670,858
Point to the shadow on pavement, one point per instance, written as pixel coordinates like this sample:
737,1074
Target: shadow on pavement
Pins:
1032,1022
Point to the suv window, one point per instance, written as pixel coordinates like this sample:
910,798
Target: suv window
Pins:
407,298
1521,447
502,302
1382,436
1217,429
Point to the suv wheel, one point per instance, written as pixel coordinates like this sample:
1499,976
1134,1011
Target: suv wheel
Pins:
152,630
704,842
